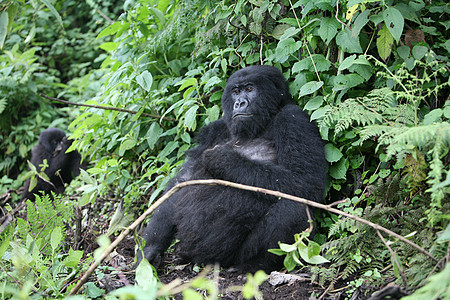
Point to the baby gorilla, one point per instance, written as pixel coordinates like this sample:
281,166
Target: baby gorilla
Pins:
62,166
263,140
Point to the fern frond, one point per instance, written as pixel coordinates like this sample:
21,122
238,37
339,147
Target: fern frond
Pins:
373,131
423,137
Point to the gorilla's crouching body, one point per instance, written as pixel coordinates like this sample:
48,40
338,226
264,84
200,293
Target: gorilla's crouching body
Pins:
62,166
263,140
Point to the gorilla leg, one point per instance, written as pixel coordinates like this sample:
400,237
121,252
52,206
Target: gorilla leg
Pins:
282,221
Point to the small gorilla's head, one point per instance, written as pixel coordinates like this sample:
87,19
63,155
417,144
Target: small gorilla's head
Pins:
252,97
51,139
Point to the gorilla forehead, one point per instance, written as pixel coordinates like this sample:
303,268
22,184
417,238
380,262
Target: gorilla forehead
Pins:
52,134
258,74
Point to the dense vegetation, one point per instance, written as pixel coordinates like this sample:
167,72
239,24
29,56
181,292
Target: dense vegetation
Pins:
374,75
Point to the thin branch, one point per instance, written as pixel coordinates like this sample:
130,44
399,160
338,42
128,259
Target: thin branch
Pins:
261,50
108,108
394,258
337,18
105,16
179,186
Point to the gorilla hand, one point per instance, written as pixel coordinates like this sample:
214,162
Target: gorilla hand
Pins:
152,255
218,159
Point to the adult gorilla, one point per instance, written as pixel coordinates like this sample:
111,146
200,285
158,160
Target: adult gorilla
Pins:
62,166
263,140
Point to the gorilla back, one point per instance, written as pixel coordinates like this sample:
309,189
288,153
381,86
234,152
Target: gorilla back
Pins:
263,140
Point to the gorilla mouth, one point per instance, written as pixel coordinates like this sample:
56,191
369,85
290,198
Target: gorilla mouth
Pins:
241,115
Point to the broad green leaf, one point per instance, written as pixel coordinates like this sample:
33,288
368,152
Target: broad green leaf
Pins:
73,258
289,262
145,278
163,4
244,20
213,81
342,82
190,118
126,145
447,112
419,52
56,237
12,11
444,237
384,42
255,27
170,147
278,252
332,154
433,116
360,22
314,103
287,247
394,22
92,291
347,42
187,93
279,30
213,113
291,31
159,14
403,52
88,197
328,29
187,83
145,80
3,27
321,63
30,35
54,12
339,170
153,134
347,63
109,46
304,251
310,88
111,29
313,249
285,48
320,113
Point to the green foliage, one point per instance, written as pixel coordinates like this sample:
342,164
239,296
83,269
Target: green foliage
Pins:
437,287
33,252
308,253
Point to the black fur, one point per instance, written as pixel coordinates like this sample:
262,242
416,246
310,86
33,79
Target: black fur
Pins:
263,140
52,146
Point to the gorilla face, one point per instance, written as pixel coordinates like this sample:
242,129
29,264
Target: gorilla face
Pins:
251,98
51,138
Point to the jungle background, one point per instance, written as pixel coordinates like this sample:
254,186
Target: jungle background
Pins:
373,75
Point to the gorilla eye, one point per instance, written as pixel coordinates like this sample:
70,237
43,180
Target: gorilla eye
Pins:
249,89
236,91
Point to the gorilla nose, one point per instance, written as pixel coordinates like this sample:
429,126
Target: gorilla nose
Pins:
240,105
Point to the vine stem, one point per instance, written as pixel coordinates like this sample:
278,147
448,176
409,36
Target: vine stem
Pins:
179,186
